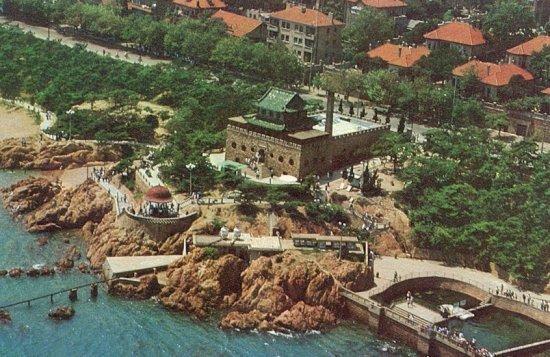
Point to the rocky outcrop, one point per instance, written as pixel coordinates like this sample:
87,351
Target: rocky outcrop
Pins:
15,272
5,317
148,287
288,291
61,313
28,194
46,154
108,239
302,317
197,284
71,208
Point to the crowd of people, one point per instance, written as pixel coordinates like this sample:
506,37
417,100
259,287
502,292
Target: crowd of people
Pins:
459,339
527,299
160,210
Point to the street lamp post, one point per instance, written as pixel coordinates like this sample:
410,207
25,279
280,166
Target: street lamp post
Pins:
190,167
342,227
70,112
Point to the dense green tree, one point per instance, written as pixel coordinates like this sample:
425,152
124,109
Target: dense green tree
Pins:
469,194
539,66
396,146
369,28
468,112
508,23
439,64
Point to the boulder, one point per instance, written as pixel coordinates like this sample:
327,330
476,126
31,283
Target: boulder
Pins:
148,287
61,313
302,317
15,272
5,317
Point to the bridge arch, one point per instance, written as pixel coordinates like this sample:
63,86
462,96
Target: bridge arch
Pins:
417,284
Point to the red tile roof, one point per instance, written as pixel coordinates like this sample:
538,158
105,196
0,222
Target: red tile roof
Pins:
237,25
491,73
383,4
457,32
528,48
201,4
402,56
309,17
546,91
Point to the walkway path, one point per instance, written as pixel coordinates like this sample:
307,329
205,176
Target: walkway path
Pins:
405,267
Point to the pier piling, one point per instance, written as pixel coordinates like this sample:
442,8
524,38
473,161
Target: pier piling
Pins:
73,294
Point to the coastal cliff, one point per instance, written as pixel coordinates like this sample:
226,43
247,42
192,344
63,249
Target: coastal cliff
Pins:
282,292
44,206
35,154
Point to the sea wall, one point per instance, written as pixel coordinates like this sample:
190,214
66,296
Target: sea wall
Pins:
158,228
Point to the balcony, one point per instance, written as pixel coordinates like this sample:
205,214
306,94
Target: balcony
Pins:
273,28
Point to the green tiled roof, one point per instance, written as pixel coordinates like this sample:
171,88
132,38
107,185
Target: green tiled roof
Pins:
265,124
276,100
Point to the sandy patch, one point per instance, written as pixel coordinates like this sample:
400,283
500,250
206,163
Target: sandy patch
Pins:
16,123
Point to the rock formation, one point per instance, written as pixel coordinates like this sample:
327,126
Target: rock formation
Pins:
148,287
197,284
71,208
35,154
61,313
108,239
5,317
28,194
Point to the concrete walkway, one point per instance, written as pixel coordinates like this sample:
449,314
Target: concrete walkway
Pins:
405,267
126,266
419,310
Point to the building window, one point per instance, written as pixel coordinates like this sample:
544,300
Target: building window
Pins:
234,145
281,159
243,148
298,41
285,25
253,149
291,162
270,154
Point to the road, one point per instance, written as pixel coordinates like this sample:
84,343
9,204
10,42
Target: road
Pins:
43,33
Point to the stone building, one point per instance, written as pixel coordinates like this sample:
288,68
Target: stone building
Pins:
308,33
242,26
521,54
468,40
282,139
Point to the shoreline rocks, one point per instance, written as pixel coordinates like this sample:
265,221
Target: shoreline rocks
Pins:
5,317
35,154
147,288
61,313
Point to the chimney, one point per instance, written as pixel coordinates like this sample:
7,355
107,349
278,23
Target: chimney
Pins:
303,9
330,112
400,50
330,16
317,5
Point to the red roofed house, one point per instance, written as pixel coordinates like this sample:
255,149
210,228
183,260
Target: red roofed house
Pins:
460,35
194,8
241,26
521,54
493,76
390,7
399,57
308,33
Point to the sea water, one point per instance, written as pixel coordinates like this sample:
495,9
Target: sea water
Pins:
108,326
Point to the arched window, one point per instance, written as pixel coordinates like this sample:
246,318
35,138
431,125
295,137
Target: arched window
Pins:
281,159
234,145
291,162
243,147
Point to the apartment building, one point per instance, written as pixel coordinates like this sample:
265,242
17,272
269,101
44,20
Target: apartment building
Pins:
310,34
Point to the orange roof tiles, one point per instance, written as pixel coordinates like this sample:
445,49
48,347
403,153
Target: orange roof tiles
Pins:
237,25
528,48
383,4
546,91
457,32
201,4
491,73
309,17
402,56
